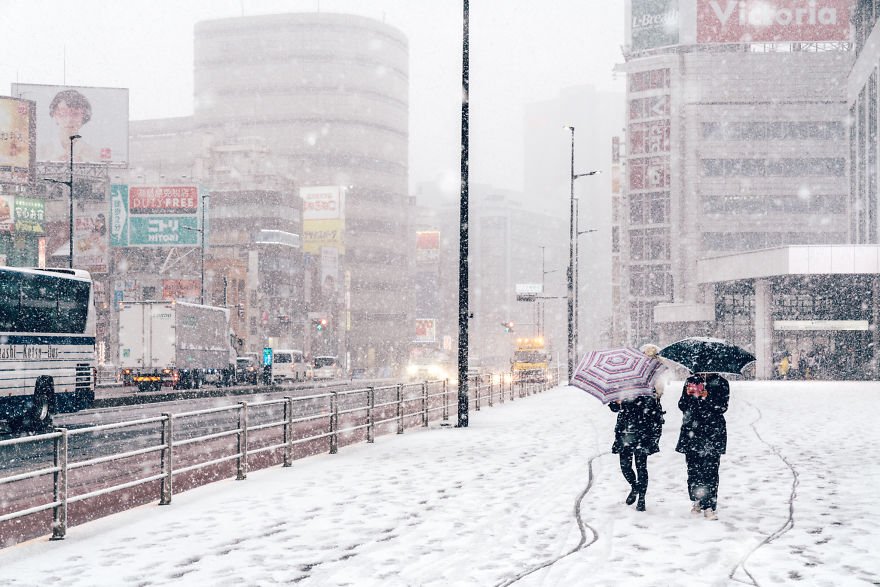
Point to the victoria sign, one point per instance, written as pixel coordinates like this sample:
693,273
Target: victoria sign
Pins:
749,21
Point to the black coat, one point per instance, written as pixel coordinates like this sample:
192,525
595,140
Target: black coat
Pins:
642,418
703,427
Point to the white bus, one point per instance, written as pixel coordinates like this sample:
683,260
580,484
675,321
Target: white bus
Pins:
47,345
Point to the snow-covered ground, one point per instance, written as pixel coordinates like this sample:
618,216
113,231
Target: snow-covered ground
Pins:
798,505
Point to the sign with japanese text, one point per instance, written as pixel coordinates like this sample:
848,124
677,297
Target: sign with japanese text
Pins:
17,140
322,202
7,213
426,330
29,215
154,216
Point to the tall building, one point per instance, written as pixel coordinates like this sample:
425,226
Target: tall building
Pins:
736,141
325,97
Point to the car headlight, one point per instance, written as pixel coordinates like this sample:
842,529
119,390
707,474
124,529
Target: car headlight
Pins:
411,370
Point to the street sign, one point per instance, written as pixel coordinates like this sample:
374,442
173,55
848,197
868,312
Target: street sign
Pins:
267,356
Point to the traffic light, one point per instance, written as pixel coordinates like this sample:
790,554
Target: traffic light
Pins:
508,326
320,324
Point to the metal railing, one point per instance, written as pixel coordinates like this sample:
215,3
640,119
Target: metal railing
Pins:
237,433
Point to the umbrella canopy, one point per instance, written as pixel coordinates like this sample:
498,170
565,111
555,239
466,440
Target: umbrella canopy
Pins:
707,355
617,374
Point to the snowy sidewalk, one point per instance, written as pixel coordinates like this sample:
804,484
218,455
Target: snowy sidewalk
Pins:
484,505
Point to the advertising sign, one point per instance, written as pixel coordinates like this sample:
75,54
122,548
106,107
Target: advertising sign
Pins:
29,215
318,234
90,238
427,246
654,24
98,115
154,216
182,289
322,202
17,140
7,213
329,272
426,330
749,21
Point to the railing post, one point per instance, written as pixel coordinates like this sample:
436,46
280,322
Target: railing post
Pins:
334,422
512,389
425,404
242,441
167,459
491,392
501,389
477,392
371,405
400,408
288,431
59,492
445,399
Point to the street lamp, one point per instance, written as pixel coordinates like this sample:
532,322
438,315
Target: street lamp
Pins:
571,267
202,232
69,184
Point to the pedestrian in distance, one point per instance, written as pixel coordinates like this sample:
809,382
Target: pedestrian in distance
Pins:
637,435
703,438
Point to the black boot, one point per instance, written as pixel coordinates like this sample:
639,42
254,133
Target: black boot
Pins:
640,507
631,498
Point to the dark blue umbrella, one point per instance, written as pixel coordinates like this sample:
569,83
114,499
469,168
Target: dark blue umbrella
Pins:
707,355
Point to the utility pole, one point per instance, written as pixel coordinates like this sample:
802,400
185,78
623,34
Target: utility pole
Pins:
463,305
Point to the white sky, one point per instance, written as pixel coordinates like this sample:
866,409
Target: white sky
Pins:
484,505
521,51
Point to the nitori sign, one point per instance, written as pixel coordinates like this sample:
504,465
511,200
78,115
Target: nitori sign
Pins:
746,21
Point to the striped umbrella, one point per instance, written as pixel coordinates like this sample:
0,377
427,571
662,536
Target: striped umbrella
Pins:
617,374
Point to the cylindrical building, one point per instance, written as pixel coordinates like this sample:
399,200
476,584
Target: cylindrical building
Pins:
327,94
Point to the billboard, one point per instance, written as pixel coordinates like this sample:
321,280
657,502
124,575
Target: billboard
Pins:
426,330
154,216
654,24
527,292
182,289
749,21
90,237
17,140
29,215
7,214
427,246
322,202
98,115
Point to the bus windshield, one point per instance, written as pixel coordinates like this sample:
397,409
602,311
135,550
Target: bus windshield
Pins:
42,303
325,362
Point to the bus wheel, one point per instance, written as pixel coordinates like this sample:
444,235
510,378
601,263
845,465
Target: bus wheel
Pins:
39,416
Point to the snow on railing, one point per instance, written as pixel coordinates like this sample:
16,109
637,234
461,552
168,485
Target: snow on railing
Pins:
351,416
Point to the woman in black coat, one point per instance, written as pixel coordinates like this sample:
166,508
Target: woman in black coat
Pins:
637,435
703,438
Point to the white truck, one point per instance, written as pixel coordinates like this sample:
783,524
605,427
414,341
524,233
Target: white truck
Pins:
174,344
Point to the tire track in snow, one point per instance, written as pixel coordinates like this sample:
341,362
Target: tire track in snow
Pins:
789,523
582,526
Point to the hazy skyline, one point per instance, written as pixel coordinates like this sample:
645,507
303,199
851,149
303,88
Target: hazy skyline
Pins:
521,52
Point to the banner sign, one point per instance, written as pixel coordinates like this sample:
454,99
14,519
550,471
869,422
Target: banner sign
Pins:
427,246
318,234
750,21
654,24
527,292
17,140
90,239
154,216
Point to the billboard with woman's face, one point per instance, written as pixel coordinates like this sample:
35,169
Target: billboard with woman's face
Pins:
98,115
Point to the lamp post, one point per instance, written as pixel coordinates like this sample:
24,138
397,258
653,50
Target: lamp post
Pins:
69,184
571,267
463,302
202,233
577,286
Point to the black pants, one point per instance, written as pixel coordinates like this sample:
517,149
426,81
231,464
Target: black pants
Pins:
703,478
640,483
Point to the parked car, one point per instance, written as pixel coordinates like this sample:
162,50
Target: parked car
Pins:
288,365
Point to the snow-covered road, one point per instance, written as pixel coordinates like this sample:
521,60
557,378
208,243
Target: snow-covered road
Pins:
487,504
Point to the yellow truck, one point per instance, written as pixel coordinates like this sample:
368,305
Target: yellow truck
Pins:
530,361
